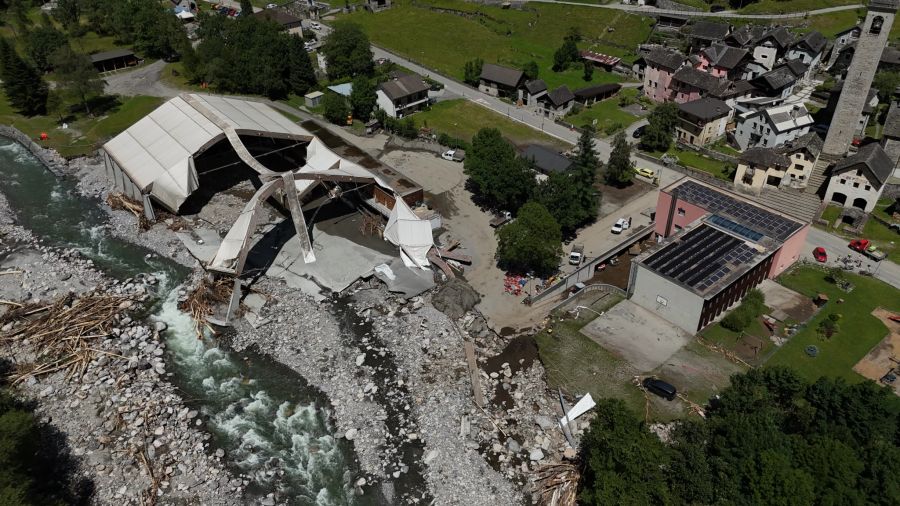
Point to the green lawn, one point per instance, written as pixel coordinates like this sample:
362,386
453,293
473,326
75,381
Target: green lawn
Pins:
830,214
885,238
610,118
444,41
462,119
859,330
786,6
695,160
85,134
717,334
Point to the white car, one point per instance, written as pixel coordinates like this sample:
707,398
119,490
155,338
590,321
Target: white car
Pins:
315,25
620,225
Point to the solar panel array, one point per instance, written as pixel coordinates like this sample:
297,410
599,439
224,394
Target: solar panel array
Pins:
743,213
738,229
738,256
701,254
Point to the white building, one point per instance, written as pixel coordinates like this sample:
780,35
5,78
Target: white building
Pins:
772,127
858,180
402,96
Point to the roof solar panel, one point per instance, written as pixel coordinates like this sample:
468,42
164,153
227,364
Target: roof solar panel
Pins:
748,215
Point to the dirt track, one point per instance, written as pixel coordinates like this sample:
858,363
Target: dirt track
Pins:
884,356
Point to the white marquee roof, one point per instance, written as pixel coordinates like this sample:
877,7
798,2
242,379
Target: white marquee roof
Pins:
156,152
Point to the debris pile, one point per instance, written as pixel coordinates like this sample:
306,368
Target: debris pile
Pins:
558,484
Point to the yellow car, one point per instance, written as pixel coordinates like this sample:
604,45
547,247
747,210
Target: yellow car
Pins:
645,172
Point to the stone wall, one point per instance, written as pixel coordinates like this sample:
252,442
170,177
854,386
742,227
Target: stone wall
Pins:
48,157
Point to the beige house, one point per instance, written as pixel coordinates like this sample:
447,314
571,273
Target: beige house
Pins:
788,166
701,121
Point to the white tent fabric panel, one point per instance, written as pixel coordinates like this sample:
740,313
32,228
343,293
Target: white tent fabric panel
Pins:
154,152
411,233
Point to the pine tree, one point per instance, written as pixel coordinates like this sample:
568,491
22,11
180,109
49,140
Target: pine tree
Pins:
22,83
363,98
620,168
302,75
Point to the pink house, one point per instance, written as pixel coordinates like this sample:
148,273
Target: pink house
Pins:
720,60
689,84
661,65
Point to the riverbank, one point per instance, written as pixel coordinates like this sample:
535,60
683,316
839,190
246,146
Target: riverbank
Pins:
126,426
394,383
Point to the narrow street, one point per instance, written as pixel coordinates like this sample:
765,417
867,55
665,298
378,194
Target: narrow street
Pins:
836,247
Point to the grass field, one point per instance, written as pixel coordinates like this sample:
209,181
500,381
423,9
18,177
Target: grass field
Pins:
695,160
462,31
886,239
85,134
462,118
786,6
859,330
609,116
717,334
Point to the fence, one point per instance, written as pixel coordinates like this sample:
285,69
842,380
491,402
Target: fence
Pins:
586,271
44,155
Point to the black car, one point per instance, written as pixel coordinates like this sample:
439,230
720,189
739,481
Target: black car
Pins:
639,132
660,388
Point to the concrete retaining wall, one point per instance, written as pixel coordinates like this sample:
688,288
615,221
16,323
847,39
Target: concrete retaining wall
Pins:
48,157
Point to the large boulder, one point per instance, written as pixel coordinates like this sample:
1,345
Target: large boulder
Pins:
455,298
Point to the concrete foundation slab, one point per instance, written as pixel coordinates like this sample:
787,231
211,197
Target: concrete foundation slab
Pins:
637,335
202,243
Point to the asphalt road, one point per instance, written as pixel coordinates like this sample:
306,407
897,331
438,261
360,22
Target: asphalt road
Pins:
836,247
641,9
521,115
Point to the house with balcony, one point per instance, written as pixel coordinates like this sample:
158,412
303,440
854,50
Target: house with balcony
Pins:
402,96
858,180
772,127
702,121
788,166
659,66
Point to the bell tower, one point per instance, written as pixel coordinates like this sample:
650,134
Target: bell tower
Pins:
875,31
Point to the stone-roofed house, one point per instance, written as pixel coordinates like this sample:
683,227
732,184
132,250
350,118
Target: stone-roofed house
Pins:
704,33
499,81
402,96
858,180
546,161
772,127
596,93
745,36
557,103
780,81
890,139
788,166
287,21
689,84
768,50
534,90
731,92
660,66
868,109
808,50
701,121
722,61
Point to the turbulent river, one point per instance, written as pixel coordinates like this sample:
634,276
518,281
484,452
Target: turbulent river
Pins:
273,426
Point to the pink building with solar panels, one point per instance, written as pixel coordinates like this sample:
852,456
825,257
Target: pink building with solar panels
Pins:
714,247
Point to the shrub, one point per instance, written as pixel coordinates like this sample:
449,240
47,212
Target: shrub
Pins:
612,128
737,320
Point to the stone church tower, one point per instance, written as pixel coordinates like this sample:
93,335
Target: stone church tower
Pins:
873,38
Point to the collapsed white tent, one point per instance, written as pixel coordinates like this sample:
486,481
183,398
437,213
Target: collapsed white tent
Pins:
157,153
411,233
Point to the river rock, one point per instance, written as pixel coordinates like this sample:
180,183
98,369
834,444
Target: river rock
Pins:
536,454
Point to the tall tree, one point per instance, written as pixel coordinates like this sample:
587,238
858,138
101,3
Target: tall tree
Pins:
41,43
300,69
531,70
620,169
566,54
561,195
588,71
335,109
660,128
616,450
68,12
347,51
246,7
498,175
22,83
363,98
472,71
533,242
76,76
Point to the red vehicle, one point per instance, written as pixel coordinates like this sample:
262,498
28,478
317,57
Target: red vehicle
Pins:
820,255
868,249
